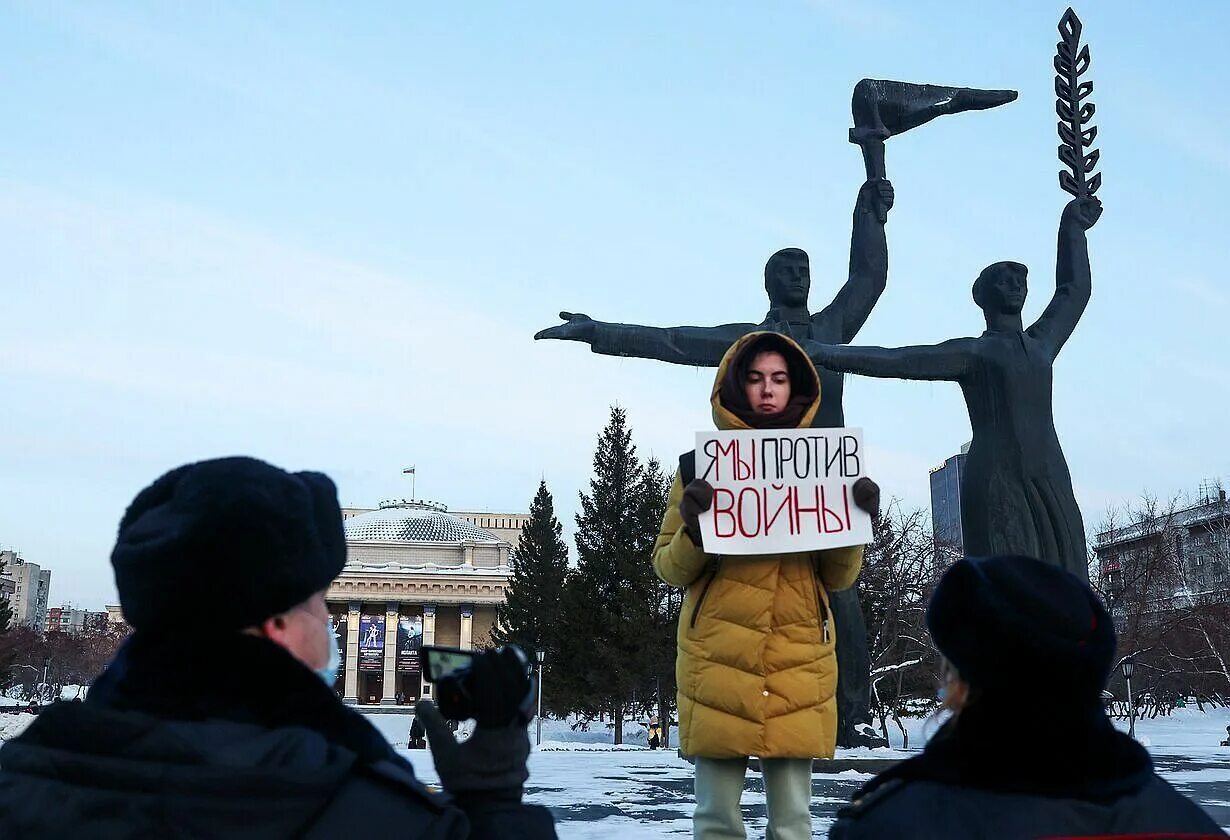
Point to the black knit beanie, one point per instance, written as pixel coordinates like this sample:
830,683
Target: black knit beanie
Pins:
225,544
1009,623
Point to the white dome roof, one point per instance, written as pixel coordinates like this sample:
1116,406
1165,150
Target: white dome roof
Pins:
410,522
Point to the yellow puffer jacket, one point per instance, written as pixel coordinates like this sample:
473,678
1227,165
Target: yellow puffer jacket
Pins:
756,667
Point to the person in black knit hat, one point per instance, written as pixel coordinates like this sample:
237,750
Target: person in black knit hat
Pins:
217,717
1028,751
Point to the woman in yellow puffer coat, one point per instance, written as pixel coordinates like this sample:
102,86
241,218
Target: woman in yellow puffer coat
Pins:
756,665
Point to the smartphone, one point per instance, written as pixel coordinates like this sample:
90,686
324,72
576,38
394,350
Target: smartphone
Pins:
453,695
441,662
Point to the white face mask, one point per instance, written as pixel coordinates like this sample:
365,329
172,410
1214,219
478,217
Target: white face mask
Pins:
328,673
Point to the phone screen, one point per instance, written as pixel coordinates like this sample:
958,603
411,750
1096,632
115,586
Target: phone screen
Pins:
440,662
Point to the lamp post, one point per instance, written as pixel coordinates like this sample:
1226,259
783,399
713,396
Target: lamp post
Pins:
540,655
1128,667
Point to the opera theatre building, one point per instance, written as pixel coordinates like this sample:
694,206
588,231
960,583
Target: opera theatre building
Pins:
415,575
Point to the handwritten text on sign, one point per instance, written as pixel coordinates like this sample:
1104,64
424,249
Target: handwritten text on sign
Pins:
781,490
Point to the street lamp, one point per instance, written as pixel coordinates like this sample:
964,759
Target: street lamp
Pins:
540,655
1129,666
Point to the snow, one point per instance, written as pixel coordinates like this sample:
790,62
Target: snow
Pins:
557,735
581,746
597,791
74,692
1186,731
16,696
13,725
13,697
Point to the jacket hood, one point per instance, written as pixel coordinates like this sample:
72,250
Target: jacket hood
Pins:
725,416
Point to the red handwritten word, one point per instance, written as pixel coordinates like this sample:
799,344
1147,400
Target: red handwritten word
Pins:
757,511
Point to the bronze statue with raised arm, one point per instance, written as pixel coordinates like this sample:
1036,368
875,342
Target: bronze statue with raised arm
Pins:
1016,493
881,109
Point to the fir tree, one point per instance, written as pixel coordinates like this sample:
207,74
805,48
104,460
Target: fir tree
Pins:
608,646
664,606
539,564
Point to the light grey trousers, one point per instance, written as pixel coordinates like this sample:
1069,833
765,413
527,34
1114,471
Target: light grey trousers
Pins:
719,787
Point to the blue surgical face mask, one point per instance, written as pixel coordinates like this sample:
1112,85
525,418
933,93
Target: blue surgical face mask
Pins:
328,673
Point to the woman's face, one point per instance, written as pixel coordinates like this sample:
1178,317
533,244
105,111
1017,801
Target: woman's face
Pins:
768,383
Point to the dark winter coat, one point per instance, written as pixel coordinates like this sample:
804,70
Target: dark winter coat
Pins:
227,738
418,735
983,778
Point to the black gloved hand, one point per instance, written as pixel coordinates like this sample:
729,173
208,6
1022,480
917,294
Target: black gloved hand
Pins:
492,760
697,498
499,687
866,495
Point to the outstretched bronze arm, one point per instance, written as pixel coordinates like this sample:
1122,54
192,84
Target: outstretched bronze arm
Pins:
950,360
1073,277
701,346
868,262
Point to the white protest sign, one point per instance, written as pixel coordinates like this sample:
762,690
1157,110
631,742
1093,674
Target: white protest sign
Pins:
781,490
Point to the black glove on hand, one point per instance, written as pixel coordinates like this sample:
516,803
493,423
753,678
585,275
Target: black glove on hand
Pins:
867,496
499,684
492,760
697,498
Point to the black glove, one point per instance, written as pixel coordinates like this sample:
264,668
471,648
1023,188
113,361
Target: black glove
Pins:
697,498
492,760
866,495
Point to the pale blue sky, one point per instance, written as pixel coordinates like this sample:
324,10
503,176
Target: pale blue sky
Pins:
325,237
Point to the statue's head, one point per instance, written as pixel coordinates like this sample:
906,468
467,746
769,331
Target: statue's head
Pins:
787,278
1001,288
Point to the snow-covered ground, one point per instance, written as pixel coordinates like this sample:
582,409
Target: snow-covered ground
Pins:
596,791
640,793
13,725
68,692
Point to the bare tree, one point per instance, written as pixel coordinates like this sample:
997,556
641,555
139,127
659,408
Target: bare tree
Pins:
44,663
1162,568
900,569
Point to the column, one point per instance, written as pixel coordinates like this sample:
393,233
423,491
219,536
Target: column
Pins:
352,654
390,654
429,638
467,628
468,555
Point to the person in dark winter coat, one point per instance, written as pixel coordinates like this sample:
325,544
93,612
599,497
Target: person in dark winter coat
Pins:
217,717
418,735
1029,751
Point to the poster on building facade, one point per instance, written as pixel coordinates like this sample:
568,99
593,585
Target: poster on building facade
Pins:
371,643
338,624
781,490
409,640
